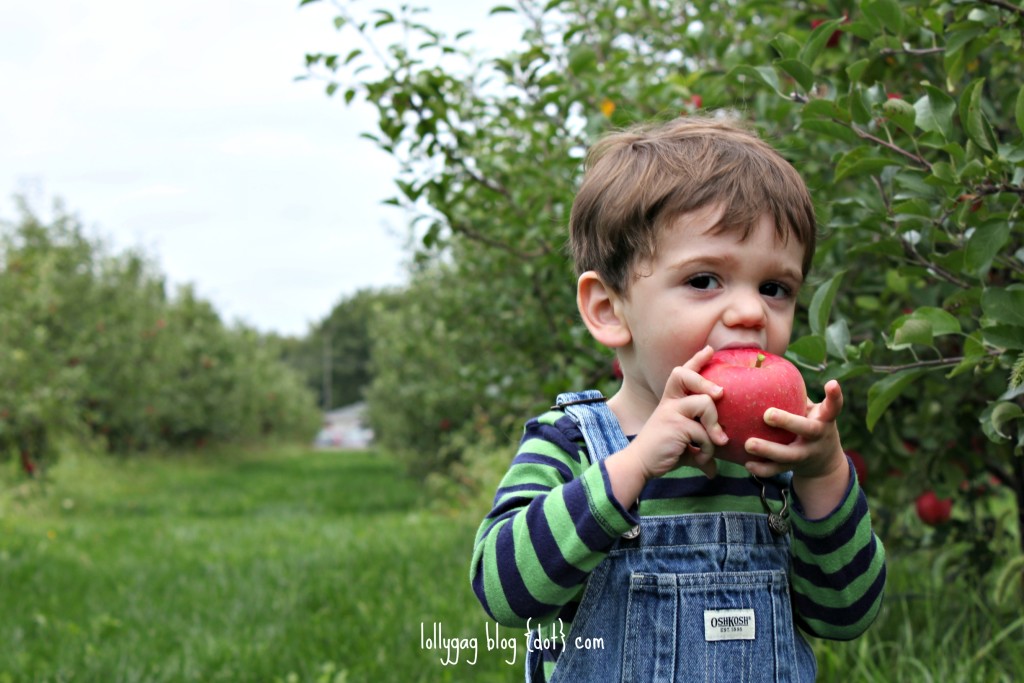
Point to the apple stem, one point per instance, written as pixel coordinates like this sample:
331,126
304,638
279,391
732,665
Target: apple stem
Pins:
760,359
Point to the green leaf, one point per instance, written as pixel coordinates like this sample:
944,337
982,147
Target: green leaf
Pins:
1004,305
582,58
882,393
818,40
799,71
787,46
857,162
821,303
825,109
1004,336
922,327
860,109
808,350
958,35
500,9
887,13
856,70
983,246
997,416
909,331
900,112
306,2
837,338
761,74
974,355
1019,110
972,118
831,129
942,322
935,112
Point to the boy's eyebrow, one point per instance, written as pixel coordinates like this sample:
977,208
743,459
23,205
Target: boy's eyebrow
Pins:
728,260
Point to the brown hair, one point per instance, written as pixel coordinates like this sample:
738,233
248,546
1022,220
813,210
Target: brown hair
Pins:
639,180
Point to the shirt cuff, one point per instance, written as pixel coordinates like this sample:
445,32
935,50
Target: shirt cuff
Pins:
827,525
604,506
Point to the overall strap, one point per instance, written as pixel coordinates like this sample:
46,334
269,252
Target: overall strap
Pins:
601,430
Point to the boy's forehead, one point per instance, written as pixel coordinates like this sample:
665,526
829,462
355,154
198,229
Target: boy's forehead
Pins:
700,237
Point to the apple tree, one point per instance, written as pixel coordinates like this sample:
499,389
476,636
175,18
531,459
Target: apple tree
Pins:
905,119
93,348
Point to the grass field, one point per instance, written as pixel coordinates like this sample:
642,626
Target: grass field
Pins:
284,566
299,566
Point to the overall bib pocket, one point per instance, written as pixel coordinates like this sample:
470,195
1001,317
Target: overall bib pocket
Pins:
715,626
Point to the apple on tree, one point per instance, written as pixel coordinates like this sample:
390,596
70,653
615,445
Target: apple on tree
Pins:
933,510
754,381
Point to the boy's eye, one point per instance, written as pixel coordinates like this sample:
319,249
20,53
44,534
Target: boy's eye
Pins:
775,290
703,282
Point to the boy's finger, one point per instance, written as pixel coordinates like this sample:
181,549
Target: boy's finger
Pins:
797,424
765,468
699,359
784,455
685,381
707,464
702,409
832,405
709,418
694,383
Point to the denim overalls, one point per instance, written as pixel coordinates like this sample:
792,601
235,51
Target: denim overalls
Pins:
697,597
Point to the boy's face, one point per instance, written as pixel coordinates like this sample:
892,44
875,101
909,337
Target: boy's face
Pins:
702,288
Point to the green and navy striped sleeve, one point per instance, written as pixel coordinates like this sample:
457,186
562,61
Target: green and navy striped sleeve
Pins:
553,520
838,573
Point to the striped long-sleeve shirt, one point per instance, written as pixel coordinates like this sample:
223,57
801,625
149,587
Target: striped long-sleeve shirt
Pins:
555,518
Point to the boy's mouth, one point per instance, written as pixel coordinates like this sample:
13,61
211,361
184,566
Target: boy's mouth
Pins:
740,345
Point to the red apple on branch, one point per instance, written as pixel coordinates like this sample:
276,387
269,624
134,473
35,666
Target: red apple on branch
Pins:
933,510
754,381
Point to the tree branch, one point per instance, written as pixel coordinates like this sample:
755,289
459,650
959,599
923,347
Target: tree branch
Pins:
914,255
990,188
1003,4
864,135
927,364
480,237
920,52
936,363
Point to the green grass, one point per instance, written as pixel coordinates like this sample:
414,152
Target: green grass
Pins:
297,566
293,566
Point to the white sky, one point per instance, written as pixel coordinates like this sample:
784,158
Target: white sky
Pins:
177,127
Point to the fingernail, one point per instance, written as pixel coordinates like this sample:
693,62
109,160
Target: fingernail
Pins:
769,415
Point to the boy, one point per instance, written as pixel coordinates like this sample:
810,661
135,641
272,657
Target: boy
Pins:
647,558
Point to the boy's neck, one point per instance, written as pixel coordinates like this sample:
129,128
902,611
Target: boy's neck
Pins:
631,410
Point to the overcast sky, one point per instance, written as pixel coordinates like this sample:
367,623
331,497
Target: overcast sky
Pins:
177,127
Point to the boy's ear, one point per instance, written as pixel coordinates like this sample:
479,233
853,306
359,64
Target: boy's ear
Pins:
601,309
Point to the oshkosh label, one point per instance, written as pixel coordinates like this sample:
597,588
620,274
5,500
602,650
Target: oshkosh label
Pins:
729,624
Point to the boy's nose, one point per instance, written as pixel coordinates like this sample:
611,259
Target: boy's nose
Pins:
745,310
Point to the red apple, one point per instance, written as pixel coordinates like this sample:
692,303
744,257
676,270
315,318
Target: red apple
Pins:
754,381
859,465
933,510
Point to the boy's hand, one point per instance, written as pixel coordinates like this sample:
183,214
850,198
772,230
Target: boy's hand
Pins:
816,457
684,429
